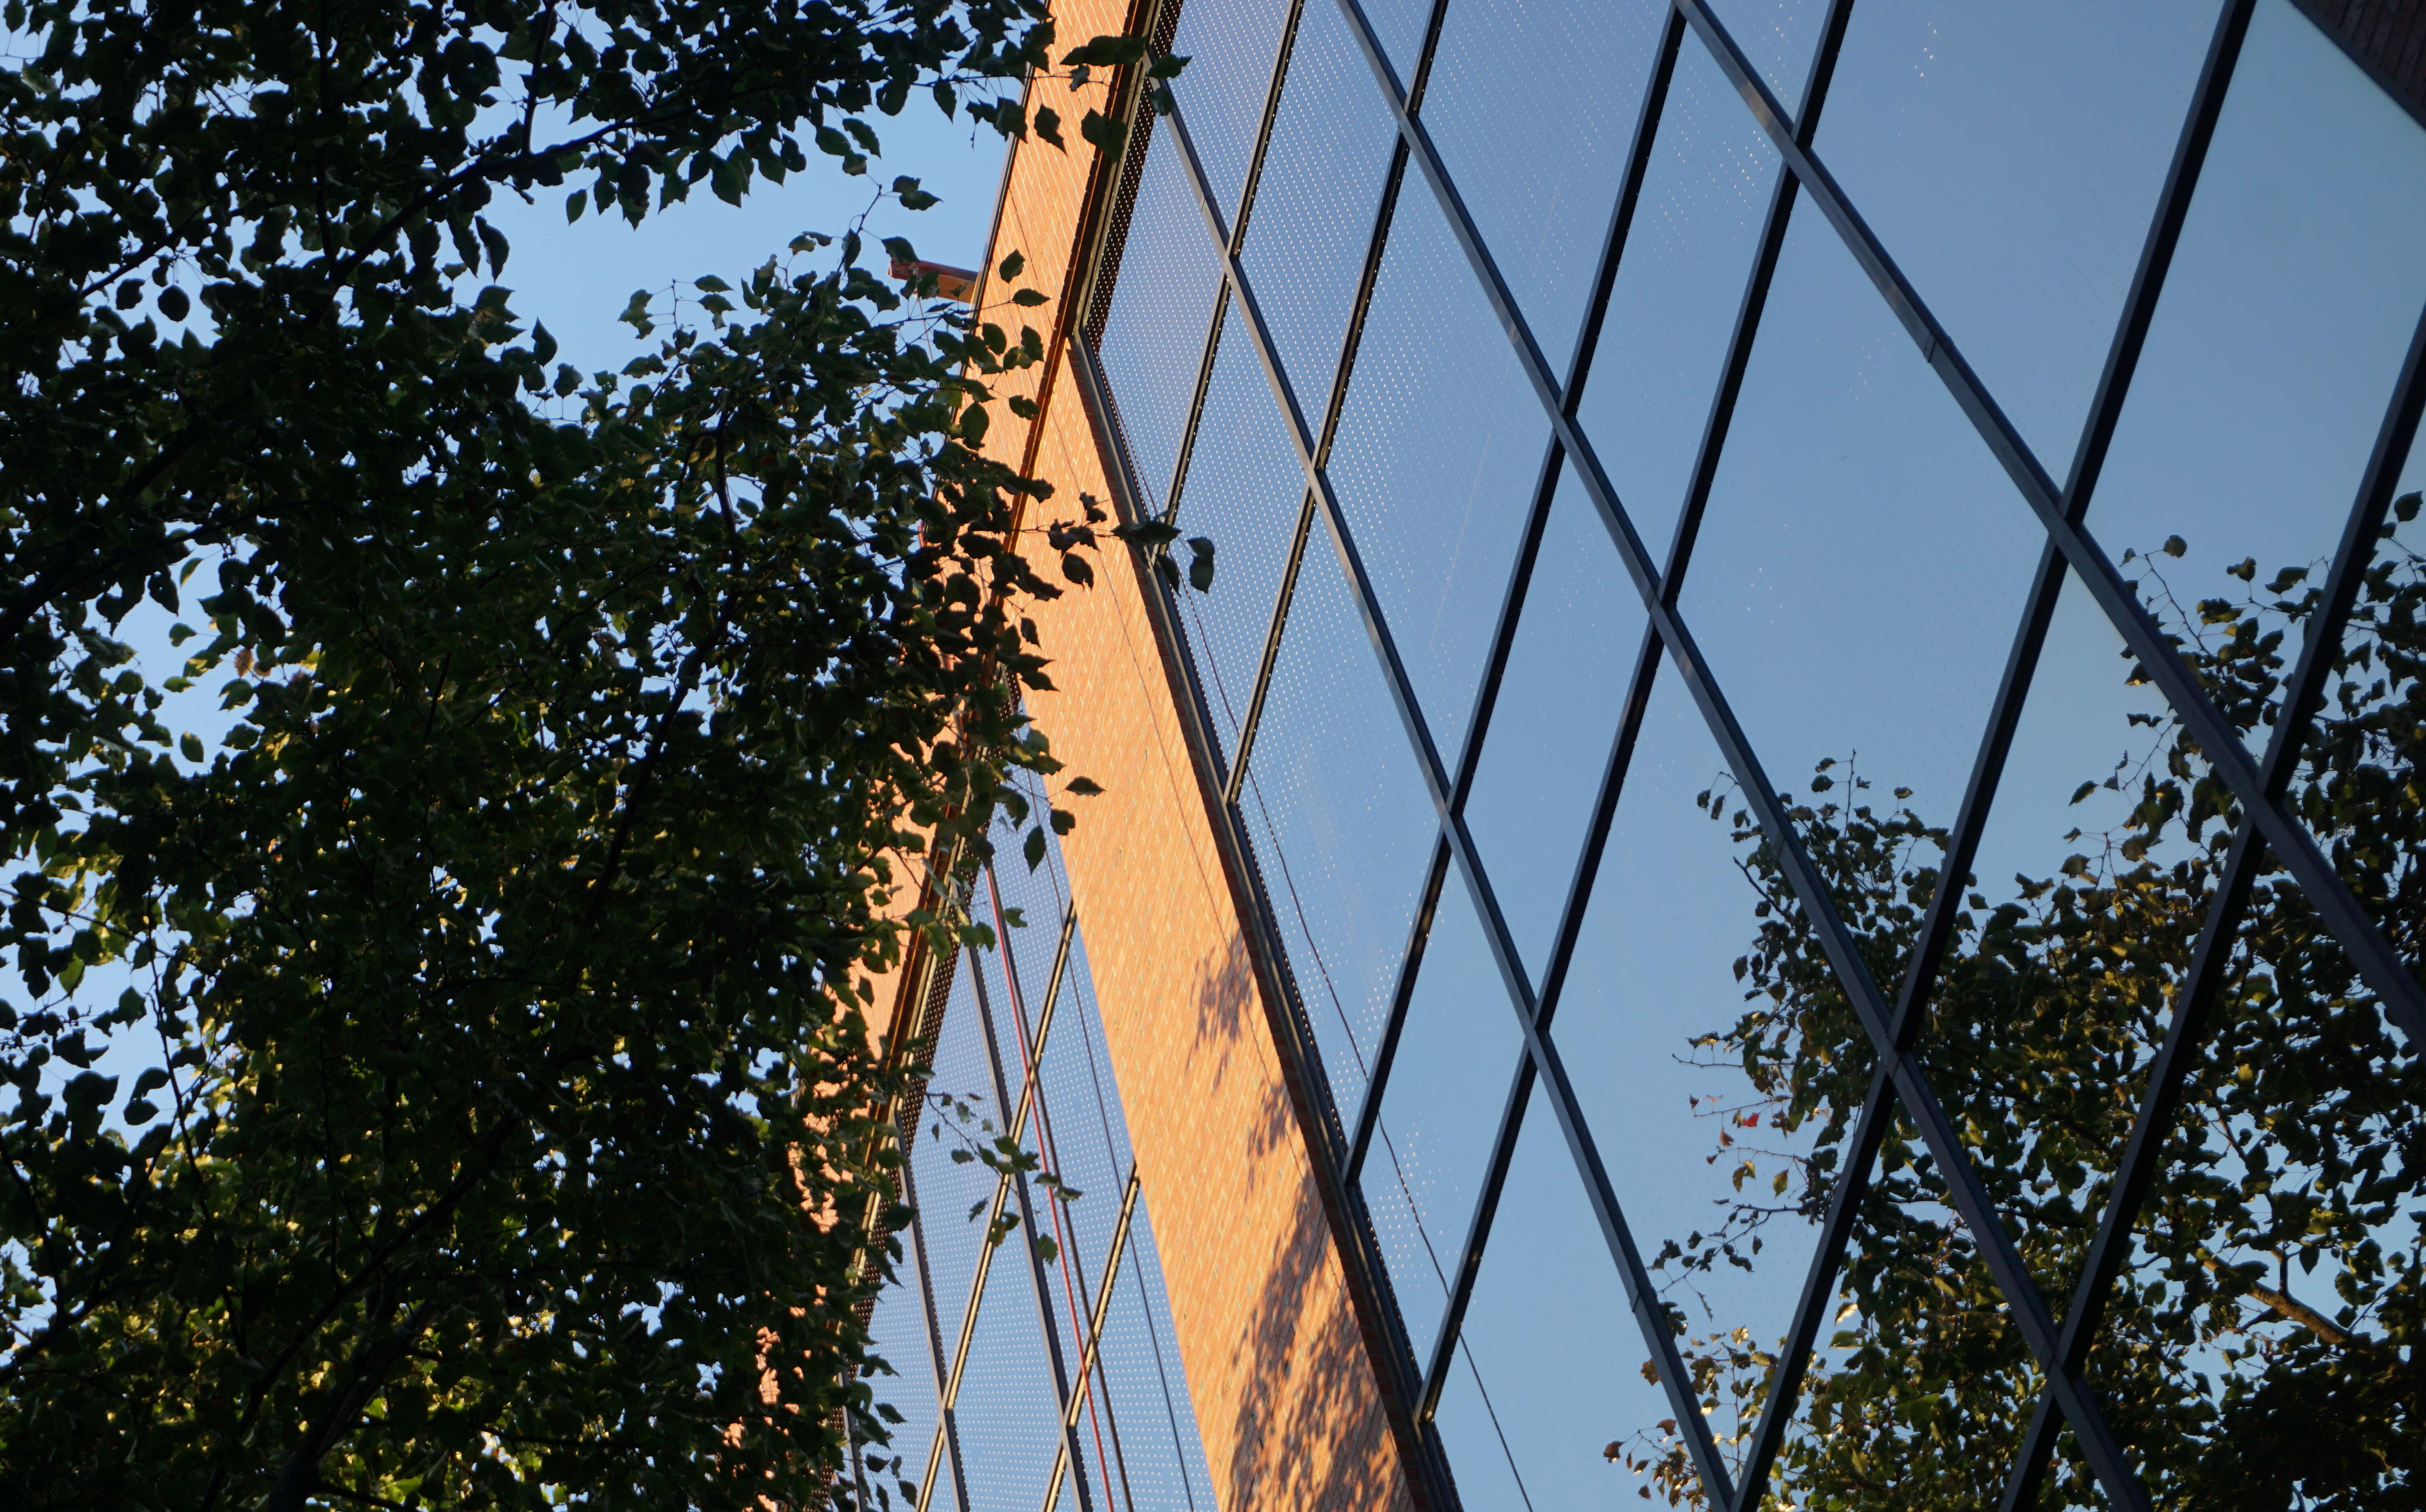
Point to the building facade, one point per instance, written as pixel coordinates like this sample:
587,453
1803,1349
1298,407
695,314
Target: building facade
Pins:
1681,480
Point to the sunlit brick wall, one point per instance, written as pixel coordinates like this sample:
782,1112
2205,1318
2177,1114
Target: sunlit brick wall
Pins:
1285,1390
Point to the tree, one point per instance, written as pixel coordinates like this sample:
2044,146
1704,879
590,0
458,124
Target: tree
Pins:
2265,1347
509,1130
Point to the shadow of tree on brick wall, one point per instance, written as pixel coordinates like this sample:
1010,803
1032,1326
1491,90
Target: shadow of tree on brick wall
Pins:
1307,1429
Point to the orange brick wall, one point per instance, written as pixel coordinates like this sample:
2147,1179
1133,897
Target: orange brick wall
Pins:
1286,1393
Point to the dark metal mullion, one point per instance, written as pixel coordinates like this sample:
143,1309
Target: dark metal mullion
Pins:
1188,428
1477,1234
1350,339
1283,48
1244,736
1273,629
2377,962
1050,1326
2089,457
1647,119
2302,695
1648,1315
1963,1187
1754,302
1411,962
1369,1285
1612,248
1233,251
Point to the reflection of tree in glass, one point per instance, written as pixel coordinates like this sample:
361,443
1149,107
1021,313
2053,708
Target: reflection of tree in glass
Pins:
2266,1343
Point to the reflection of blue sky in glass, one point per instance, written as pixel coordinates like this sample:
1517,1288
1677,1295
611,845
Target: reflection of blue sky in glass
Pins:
1433,1142
1140,1425
1575,73
1549,1371
1559,704
1775,38
2298,285
1154,331
1863,562
2010,157
1230,45
1653,970
1862,559
1246,499
1679,286
1435,478
1341,824
1313,213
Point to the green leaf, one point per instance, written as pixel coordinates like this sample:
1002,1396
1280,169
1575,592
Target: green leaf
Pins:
1048,126
1084,787
190,747
1148,533
1033,847
1011,266
1028,298
729,178
1105,132
2176,546
1200,570
1106,51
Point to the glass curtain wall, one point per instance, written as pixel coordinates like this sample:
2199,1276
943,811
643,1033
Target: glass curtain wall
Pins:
1821,689
1032,1361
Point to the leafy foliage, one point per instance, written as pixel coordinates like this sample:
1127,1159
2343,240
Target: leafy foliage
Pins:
502,1124
2263,1348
